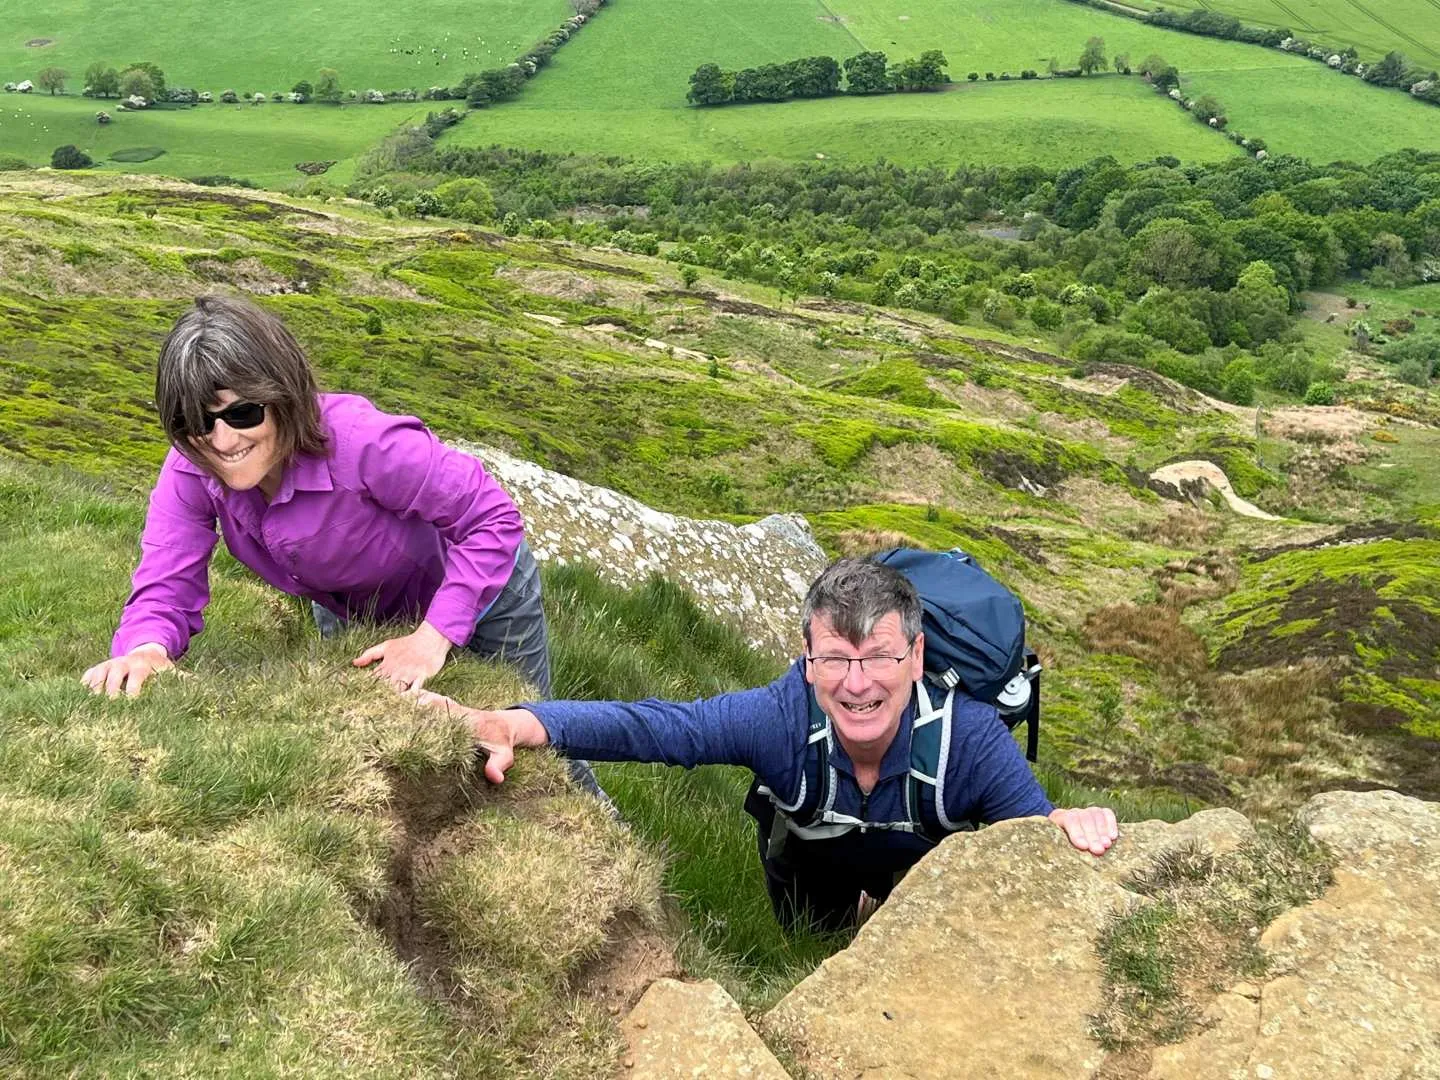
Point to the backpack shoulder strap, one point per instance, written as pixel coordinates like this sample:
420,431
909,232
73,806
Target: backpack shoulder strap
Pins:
929,757
816,786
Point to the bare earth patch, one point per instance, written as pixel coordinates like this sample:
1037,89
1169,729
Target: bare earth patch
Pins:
1183,472
571,285
1332,423
635,956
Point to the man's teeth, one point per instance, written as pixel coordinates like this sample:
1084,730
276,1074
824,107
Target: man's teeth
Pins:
863,706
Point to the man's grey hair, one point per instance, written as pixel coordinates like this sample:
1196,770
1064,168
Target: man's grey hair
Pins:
226,343
855,594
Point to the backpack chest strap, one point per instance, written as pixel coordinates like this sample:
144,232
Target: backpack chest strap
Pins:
812,814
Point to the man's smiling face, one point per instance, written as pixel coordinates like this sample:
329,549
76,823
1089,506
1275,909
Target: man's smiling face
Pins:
864,706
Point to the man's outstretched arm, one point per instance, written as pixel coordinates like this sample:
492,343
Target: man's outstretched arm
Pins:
756,728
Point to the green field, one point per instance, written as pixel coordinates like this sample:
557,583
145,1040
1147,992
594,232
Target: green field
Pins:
619,88
1374,28
1339,119
588,102
259,142
1016,123
196,44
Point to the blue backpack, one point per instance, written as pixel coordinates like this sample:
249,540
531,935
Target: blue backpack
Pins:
974,635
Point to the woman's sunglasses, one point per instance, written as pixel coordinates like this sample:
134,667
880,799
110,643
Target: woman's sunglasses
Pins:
240,415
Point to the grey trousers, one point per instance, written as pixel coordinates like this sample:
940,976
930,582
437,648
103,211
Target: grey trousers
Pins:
512,631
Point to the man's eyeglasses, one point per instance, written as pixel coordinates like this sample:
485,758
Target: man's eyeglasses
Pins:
838,667
239,415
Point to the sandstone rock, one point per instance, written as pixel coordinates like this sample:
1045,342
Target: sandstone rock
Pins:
981,964
694,1030
1221,1049
753,577
1214,831
1355,984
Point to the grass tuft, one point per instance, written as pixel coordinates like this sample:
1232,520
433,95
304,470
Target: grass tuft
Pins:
1196,932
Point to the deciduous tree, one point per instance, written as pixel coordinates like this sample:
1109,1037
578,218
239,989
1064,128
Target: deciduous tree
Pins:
135,82
710,86
101,81
1093,58
52,79
468,199
1389,71
867,73
157,79
327,86
70,157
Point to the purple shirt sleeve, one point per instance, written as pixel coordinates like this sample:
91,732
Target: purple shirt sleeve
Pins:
171,585
406,469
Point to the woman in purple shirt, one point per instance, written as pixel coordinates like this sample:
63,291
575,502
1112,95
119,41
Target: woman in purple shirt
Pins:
324,497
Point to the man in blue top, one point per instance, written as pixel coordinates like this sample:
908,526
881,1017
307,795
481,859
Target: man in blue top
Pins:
848,709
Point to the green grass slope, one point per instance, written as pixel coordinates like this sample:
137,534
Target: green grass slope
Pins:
1374,29
375,45
238,828
226,877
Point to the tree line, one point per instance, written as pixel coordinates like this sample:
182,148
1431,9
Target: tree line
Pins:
817,76
1195,271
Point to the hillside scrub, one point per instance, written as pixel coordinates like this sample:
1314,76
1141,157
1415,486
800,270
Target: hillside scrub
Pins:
874,423
1206,261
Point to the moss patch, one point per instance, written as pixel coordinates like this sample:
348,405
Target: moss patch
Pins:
1374,607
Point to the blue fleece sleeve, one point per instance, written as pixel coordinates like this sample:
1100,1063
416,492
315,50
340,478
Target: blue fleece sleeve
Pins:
753,728
988,778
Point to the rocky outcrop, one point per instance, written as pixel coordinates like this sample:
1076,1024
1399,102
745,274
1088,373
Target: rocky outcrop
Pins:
1354,987
692,1031
984,962
751,576
986,943
1180,477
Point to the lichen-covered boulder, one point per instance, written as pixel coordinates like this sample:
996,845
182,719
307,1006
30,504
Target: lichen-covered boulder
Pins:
751,576
981,964
1354,985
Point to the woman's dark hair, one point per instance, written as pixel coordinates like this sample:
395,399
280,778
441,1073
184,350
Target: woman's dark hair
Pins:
225,343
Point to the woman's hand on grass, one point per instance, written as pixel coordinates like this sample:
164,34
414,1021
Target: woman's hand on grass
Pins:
497,733
127,673
407,662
